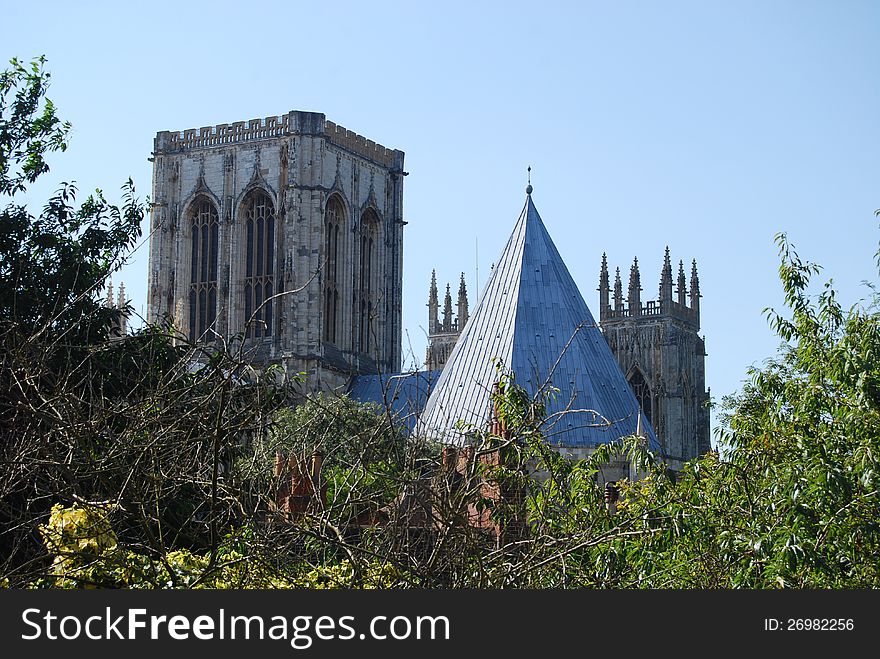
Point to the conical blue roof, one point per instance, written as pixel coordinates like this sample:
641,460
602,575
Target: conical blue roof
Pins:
532,318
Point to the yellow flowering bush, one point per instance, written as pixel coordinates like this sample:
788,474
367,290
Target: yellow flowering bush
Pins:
78,538
342,575
85,553
76,530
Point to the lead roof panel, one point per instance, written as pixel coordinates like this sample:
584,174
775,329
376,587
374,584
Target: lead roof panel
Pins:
532,319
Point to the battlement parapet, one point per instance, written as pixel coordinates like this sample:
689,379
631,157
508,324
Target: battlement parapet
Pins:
293,123
652,308
359,144
211,136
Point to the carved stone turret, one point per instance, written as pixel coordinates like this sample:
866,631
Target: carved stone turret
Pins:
618,293
665,305
604,291
682,292
121,303
433,305
634,294
443,334
659,349
462,304
119,325
666,280
695,293
447,311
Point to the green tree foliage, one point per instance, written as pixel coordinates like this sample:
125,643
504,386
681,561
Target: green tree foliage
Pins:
52,265
361,449
29,128
343,430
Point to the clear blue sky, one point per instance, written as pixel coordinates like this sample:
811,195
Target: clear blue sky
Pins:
705,126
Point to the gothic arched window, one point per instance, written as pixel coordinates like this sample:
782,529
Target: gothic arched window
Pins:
366,277
203,270
333,238
642,391
259,276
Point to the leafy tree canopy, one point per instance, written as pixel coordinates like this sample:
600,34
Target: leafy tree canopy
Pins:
53,265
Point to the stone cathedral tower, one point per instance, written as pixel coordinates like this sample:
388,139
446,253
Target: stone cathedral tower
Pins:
286,232
662,355
443,334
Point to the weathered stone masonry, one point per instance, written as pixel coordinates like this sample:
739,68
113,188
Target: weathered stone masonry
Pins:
662,354
244,211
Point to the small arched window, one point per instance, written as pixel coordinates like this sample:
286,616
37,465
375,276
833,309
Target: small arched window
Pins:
259,264
643,393
204,228
367,278
333,237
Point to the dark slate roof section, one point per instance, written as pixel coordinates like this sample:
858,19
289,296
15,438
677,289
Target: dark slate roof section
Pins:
403,394
533,318
335,358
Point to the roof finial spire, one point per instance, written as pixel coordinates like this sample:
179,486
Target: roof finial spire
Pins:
529,187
